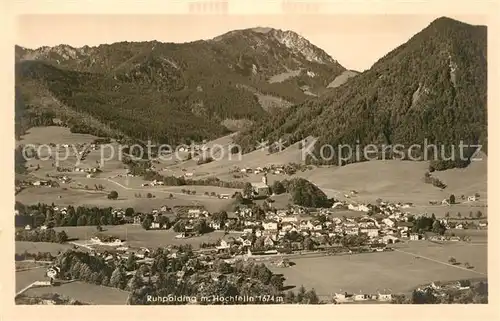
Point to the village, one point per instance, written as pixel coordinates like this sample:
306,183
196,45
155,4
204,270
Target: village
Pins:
247,215
274,236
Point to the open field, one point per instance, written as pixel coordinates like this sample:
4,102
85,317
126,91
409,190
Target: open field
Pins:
84,292
25,278
477,236
127,187
54,134
29,265
222,165
136,236
399,181
126,198
440,210
395,271
35,247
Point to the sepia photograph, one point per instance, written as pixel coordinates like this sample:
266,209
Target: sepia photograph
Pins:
231,159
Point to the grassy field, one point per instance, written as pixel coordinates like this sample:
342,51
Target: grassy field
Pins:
35,247
75,194
126,198
440,210
25,278
54,134
395,271
136,236
474,253
85,292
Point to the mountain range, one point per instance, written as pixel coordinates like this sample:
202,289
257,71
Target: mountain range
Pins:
433,87
173,93
266,84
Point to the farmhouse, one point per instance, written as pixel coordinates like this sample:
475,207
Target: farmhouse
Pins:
389,239
415,236
215,225
385,297
472,198
41,183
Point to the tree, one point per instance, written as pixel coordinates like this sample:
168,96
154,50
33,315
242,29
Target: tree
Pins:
129,212
438,228
459,215
149,195
452,199
452,260
131,262
62,237
118,278
135,283
103,220
263,273
179,226
300,294
113,195
290,297
82,220
170,196
308,244
238,198
479,214
278,188
248,190
146,223
164,222
277,282
99,228
310,297
470,214
447,215
223,267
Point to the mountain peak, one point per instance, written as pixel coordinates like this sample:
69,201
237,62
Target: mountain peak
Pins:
296,43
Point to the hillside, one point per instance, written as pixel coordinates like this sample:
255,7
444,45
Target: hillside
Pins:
432,87
172,93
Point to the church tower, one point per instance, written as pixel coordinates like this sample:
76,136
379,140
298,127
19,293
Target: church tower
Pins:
264,179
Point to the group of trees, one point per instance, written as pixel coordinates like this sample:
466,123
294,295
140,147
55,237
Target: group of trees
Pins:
423,224
305,193
163,221
477,293
199,226
113,195
47,235
429,179
79,216
83,266
39,256
241,278
143,168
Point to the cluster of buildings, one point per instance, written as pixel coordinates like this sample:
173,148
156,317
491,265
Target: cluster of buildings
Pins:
441,288
345,297
287,169
154,183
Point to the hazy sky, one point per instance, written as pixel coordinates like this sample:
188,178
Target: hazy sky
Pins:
356,41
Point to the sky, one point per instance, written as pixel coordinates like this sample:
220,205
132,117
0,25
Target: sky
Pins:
355,41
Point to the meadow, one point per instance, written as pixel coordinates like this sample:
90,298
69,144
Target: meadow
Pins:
84,292
136,236
395,271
